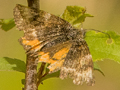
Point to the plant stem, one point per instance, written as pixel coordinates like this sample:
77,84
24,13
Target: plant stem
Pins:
31,62
40,73
33,4
31,73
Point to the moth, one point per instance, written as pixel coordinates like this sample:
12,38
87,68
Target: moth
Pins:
56,42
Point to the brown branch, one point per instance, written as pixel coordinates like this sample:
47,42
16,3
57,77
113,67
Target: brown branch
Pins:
31,76
31,62
33,4
31,73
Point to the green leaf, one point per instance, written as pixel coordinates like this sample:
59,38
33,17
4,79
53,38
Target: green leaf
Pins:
97,67
51,75
75,15
81,18
102,47
9,64
7,24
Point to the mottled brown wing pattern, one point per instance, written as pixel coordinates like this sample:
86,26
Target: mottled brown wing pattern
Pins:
39,28
78,64
56,42
44,35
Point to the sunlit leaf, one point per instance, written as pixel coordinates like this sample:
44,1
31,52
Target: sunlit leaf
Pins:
10,64
75,15
7,24
103,47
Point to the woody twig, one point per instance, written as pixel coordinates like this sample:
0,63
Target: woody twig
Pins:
31,62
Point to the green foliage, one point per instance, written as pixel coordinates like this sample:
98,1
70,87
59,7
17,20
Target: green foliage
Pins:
51,75
103,47
97,67
9,64
75,15
7,24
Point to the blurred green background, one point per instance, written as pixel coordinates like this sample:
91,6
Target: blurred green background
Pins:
107,17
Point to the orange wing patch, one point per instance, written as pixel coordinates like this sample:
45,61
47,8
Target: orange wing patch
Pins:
35,44
44,57
61,53
56,61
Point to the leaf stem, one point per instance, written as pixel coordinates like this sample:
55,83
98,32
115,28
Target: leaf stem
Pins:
100,31
40,73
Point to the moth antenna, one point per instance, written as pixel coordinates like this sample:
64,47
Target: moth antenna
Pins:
99,31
